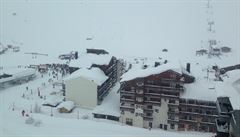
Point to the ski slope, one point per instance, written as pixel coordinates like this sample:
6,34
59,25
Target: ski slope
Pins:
127,29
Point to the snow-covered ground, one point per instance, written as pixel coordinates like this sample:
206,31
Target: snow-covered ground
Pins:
127,29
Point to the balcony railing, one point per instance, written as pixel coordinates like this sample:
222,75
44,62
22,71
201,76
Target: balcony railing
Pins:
161,95
165,88
126,92
153,102
187,120
127,107
174,104
201,114
173,110
198,105
173,120
148,110
126,100
147,117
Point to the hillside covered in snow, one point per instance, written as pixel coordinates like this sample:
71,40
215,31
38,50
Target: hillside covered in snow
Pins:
130,30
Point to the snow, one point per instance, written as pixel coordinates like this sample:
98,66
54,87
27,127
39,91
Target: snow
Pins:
86,60
94,74
111,103
52,126
53,100
136,72
69,105
208,89
16,73
126,29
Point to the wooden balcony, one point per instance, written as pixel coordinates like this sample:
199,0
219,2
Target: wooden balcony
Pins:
175,120
200,114
187,121
162,95
122,100
153,102
165,88
127,107
123,92
197,105
148,118
148,110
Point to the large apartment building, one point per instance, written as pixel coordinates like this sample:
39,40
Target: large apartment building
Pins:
153,98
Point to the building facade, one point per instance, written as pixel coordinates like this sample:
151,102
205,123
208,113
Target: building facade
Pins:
89,87
152,101
155,101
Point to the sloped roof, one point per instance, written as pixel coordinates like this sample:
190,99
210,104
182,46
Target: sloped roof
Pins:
140,73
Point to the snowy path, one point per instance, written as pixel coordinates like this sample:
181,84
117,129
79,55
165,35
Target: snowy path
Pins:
14,126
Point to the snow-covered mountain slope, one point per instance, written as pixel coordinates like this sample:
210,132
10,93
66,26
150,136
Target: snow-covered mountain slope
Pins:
124,28
127,29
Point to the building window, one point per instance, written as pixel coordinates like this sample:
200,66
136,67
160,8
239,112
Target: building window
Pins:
138,114
161,126
165,127
172,126
132,89
149,107
139,106
172,101
150,82
139,91
157,110
139,99
129,121
173,75
140,84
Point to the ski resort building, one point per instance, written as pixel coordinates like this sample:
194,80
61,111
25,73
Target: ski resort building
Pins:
96,75
16,76
155,98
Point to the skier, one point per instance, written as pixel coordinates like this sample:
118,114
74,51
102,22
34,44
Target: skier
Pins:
23,112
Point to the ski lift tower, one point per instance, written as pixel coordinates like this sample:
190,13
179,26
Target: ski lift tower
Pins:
212,43
210,24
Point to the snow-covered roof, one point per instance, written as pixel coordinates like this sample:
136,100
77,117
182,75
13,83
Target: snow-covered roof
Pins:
136,72
16,73
200,90
86,60
22,59
110,105
94,74
230,88
53,100
209,89
69,105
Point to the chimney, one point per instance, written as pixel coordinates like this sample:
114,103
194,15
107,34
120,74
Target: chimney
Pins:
188,67
157,64
76,55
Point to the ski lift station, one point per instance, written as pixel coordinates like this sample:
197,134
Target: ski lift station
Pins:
16,76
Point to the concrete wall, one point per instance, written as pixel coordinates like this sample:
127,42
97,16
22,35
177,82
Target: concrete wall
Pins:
82,91
160,117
